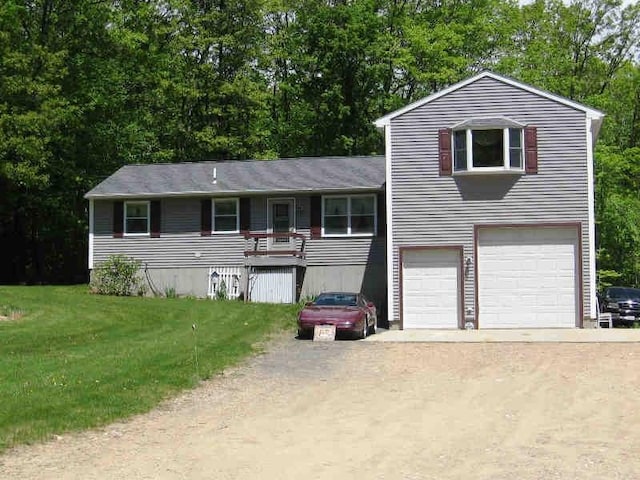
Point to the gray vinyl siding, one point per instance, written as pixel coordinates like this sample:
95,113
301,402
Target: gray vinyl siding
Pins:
429,209
320,251
181,245
180,241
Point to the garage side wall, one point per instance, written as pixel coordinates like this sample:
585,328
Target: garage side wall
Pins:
433,210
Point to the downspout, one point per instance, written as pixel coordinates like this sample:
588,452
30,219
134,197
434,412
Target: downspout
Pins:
591,134
391,286
91,230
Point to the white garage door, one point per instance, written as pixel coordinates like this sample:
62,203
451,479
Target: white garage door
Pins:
272,285
430,284
527,277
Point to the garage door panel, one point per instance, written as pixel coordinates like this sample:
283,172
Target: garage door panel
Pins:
430,283
527,277
521,236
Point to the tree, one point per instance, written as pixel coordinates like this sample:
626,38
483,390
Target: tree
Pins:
220,96
34,118
618,212
573,49
621,102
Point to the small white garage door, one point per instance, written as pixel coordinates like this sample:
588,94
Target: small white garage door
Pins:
430,288
527,277
272,285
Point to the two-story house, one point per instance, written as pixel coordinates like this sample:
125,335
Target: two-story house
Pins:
481,213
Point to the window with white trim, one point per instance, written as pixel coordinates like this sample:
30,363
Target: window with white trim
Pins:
345,215
136,218
488,149
226,215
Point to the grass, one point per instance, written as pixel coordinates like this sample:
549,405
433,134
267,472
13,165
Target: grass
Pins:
73,360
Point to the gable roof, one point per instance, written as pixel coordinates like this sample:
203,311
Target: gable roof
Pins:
595,115
244,177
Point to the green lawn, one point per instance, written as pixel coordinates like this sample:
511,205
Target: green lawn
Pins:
74,360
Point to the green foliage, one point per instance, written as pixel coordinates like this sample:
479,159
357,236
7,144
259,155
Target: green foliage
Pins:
607,278
221,292
572,49
302,302
118,275
90,86
77,361
618,214
170,292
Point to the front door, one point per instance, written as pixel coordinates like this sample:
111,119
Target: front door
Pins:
281,220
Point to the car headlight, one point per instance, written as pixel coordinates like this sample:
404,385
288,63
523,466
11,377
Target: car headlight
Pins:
612,305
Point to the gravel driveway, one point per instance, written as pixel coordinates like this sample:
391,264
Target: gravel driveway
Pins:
364,410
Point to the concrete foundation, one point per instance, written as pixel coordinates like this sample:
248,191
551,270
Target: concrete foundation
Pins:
193,281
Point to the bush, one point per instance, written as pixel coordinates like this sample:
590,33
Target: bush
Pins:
221,292
118,275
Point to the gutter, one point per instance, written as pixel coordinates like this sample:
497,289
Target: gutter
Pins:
226,193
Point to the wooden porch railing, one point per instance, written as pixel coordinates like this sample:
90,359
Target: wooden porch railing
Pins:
257,248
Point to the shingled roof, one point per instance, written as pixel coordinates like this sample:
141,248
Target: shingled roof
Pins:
321,174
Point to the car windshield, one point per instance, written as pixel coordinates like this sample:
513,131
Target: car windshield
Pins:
620,292
337,299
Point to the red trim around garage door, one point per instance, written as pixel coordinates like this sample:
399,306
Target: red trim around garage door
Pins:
576,225
460,250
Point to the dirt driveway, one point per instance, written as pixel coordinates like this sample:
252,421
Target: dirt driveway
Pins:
354,410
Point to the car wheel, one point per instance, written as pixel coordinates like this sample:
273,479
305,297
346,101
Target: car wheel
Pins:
302,334
365,328
374,327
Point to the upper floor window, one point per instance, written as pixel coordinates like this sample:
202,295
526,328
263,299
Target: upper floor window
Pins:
488,145
226,218
488,149
349,215
136,218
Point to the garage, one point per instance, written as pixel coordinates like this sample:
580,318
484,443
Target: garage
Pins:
528,277
431,287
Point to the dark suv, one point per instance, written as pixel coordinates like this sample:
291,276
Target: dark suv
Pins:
623,302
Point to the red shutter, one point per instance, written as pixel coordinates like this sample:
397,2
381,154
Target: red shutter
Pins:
245,215
316,216
382,215
118,219
444,151
155,218
531,149
205,217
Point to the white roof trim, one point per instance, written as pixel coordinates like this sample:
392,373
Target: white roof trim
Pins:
386,120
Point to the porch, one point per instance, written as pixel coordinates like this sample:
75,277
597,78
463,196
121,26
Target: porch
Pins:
275,249
275,265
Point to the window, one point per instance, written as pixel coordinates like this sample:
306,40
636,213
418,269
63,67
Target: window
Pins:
349,215
136,218
225,215
337,299
488,149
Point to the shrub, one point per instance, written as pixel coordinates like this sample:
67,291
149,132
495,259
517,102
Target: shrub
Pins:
170,292
221,292
118,275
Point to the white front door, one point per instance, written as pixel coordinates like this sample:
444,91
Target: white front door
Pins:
528,277
431,288
281,218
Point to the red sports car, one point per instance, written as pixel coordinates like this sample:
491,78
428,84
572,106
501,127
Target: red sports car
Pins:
349,312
